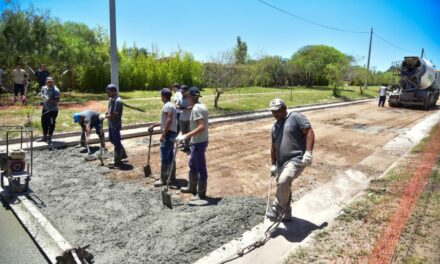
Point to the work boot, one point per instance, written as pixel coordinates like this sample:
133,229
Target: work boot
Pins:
163,176
201,192
102,141
275,212
123,154
192,186
42,139
49,140
116,161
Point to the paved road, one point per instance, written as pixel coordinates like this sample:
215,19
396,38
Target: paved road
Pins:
16,246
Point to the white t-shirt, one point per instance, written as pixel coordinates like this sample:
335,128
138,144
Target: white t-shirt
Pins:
167,108
383,91
19,76
177,99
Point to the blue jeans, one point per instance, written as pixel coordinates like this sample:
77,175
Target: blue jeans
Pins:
197,160
114,134
167,147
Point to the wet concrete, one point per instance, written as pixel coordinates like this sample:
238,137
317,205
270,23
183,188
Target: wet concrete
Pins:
16,246
125,222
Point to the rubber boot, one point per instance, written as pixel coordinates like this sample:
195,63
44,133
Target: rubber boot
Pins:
192,186
116,160
123,153
163,175
201,192
102,141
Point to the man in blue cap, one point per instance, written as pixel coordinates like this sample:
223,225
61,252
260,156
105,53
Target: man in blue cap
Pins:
88,120
114,116
168,125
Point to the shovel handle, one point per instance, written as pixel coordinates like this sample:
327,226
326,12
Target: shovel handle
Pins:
149,148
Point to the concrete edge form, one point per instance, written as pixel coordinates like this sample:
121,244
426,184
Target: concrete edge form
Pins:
47,237
323,204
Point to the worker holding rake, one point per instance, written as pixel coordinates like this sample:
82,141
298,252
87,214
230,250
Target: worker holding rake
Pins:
114,116
51,97
292,145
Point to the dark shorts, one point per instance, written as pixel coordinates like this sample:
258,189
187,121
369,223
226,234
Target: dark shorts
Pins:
18,88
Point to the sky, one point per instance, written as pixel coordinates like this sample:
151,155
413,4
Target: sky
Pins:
206,28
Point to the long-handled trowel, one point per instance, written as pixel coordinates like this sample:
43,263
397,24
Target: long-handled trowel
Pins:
166,197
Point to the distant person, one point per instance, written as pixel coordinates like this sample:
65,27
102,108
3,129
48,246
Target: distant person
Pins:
88,120
291,151
114,116
177,97
20,79
185,106
198,174
42,73
382,95
51,97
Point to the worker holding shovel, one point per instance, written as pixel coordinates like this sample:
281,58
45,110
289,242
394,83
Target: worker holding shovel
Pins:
198,174
88,120
292,145
168,125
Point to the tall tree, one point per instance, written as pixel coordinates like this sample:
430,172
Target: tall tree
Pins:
240,51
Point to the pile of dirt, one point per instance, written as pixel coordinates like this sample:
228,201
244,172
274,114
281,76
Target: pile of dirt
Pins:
125,222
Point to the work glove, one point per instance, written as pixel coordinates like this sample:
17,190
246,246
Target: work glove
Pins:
180,138
101,117
307,158
150,130
273,170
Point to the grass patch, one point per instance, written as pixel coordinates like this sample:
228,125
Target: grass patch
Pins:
145,106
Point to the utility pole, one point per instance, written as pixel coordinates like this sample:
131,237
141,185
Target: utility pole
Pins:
368,62
113,45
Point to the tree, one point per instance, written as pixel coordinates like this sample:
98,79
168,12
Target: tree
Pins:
224,75
310,63
240,52
270,71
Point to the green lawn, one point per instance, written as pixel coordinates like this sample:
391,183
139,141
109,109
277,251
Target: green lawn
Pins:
145,106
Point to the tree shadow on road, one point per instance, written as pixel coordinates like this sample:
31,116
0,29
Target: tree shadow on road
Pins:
297,229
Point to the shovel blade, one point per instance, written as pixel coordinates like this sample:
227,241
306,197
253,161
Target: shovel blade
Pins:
147,171
166,199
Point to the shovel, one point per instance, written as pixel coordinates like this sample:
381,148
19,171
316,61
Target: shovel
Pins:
147,168
166,197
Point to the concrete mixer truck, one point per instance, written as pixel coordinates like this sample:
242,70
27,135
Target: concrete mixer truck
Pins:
419,84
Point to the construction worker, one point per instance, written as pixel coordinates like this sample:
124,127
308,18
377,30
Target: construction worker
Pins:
42,73
20,80
168,125
87,120
198,174
382,94
51,97
292,145
176,98
114,116
185,115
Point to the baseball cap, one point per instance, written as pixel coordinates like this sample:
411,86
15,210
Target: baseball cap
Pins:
194,91
165,92
49,79
111,87
76,117
276,104
184,87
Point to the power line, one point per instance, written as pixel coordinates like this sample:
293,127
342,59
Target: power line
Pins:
310,21
391,44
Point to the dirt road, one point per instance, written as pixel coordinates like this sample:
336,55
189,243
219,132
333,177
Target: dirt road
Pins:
120,214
